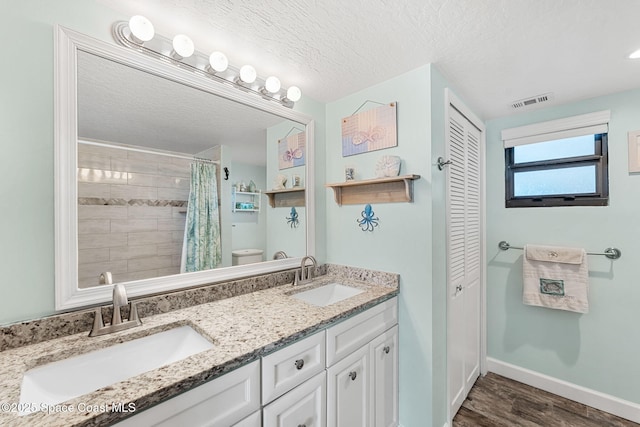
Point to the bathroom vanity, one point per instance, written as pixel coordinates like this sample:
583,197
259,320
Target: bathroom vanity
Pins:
275,359
344,375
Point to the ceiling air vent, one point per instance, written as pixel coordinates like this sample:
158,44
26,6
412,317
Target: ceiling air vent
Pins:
532,101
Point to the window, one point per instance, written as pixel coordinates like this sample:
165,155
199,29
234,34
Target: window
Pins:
559,163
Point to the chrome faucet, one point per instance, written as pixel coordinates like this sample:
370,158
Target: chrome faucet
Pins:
119,300
306,274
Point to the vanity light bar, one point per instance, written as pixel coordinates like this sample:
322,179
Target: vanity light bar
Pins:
139,34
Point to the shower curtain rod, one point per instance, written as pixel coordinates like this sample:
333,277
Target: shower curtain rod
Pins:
140,150
611,253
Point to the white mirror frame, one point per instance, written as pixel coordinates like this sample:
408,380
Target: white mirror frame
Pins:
67,293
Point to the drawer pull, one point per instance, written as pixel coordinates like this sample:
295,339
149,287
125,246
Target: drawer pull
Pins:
353,375
302,425
386,349
299,364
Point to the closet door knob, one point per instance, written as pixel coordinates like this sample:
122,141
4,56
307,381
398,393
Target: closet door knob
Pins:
353,375
386,349
299,364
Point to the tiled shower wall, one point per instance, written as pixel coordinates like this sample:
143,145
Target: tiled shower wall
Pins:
131,213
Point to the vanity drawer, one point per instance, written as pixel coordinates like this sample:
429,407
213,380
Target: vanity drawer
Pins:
220,402
291,366
348,336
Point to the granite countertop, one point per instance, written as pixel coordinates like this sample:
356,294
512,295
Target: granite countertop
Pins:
242,328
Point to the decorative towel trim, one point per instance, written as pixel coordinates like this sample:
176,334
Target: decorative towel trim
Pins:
554,254
552,287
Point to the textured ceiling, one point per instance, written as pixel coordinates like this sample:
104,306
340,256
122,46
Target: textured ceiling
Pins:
492,52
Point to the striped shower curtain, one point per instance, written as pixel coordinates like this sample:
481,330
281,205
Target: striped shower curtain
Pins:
201,249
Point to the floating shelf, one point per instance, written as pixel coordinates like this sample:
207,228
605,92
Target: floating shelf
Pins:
287,198
380,190
241,198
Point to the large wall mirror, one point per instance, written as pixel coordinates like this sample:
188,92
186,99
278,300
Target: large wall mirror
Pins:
135,138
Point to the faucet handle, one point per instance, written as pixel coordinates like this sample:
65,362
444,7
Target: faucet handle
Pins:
106,278
133,313
98,323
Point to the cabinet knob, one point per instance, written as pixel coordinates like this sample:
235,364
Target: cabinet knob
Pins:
386,349
299,364
353,375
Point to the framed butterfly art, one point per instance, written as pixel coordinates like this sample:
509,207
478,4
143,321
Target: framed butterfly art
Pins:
370,130
291,151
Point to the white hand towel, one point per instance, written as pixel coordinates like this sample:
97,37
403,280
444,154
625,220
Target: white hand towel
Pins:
556,277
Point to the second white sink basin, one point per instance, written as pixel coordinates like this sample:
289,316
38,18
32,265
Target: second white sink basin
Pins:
59,381
328,294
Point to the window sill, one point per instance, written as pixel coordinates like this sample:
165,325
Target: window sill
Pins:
556,202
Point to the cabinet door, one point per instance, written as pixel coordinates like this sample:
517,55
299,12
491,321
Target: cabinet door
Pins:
305,405
384,379
348,391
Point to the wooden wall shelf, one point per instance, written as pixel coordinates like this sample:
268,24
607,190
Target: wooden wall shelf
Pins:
380,190
289,197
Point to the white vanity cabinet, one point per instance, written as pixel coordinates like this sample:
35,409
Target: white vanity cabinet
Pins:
291,366
349,390
343,376
294,384
221,402
383,358
362,369
304,406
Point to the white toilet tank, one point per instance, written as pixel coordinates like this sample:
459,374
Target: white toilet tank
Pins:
246,256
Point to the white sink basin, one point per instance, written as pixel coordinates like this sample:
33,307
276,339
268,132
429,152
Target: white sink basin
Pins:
328,294
57,382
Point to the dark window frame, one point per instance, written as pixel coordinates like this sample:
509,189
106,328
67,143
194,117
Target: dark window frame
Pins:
600,159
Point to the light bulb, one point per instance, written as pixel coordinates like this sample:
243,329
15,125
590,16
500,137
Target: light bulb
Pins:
294,94
272,84
183,46
218,61
141,29
635,55
248,74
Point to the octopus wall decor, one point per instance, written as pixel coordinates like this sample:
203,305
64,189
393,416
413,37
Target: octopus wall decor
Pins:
368,221
293,219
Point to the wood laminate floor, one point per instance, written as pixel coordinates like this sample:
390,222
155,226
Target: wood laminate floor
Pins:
495,401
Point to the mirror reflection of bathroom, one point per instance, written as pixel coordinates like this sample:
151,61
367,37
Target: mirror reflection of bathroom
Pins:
159,193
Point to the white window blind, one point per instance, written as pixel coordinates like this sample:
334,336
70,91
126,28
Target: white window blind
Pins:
585,124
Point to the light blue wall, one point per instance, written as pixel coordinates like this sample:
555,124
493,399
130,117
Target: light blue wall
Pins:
280,235
402,242
249,229
26,132
438,245
598,350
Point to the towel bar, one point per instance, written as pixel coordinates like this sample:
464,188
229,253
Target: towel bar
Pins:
611,253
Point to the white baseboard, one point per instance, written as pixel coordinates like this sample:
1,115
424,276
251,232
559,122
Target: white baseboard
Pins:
604,402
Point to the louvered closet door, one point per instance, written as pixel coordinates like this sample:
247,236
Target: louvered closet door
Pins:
463,256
